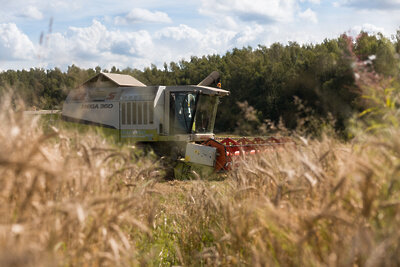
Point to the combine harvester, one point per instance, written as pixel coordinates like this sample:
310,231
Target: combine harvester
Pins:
177,121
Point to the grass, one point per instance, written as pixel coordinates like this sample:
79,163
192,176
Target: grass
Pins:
74,198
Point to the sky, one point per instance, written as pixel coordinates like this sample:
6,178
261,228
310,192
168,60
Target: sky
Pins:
136,33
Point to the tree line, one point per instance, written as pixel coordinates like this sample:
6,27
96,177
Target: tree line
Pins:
277,84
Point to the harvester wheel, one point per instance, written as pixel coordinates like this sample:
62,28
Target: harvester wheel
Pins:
168,165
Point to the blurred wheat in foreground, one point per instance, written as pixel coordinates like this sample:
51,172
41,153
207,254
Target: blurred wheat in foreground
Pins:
71,199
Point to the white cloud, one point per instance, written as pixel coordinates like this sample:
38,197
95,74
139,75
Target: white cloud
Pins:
309,15
248,35
14,44
18,10
316,2
184,41
367,27
64,5
32,13
261,11
368,4
140,15
179,33
96,45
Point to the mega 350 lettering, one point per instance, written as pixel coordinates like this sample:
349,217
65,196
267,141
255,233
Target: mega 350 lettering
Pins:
96,106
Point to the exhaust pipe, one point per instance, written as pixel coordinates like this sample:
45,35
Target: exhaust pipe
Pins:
210,79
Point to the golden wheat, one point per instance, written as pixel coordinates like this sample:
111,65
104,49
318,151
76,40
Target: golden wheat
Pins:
67,199
75,199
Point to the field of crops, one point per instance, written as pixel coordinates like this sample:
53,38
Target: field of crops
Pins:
75,199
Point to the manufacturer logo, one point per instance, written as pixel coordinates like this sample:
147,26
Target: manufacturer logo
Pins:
97,106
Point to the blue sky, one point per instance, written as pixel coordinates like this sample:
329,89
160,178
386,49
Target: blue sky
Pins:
136,34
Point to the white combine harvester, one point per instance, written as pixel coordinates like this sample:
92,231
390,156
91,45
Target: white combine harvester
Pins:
168,117
140,113
177,121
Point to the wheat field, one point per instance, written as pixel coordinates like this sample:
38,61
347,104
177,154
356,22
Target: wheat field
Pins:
74,199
